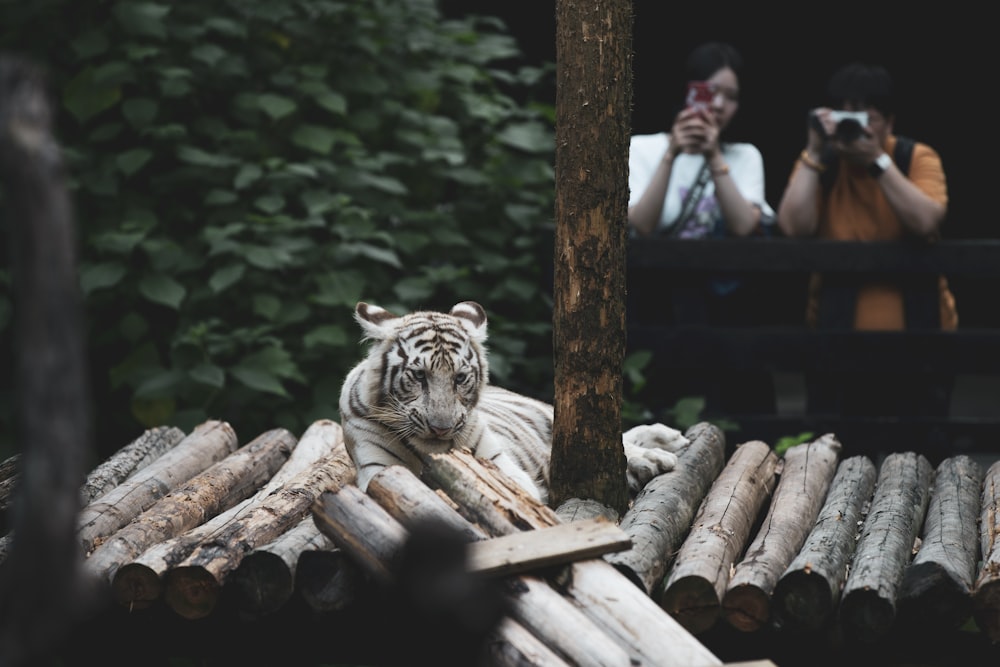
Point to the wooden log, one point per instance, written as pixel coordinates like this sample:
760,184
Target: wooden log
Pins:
207,444
374,538
697,581
661,515
192,587
512,645
805,474
986,594
9,477
265,578
594,586
133,457
327,579
808,592
885,547
139,584
217,488
936,593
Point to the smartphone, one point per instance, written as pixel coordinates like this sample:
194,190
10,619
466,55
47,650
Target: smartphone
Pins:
700,94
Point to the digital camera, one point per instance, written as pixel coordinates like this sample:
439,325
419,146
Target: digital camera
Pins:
850,124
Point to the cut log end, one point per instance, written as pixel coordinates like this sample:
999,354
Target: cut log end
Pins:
866,616
693,602
802,601
931,599
746,607
261,585
136,587
986,609
192,592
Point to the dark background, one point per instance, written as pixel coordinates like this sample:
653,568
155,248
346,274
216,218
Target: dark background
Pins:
941,57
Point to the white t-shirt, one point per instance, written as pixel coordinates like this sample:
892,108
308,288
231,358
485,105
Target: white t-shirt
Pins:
746,168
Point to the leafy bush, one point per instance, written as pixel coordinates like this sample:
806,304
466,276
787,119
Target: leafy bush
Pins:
245,171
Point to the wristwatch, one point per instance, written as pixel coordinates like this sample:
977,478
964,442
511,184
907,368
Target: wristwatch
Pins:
881,163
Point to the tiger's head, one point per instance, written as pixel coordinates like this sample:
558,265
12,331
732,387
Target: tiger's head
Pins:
428,371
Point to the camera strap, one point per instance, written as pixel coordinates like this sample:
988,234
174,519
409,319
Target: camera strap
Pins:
690,199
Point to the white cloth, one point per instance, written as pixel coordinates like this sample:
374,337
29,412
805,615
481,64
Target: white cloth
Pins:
746,168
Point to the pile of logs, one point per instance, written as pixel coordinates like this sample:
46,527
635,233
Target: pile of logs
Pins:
797,542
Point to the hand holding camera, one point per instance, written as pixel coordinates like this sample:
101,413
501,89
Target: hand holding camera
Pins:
845,132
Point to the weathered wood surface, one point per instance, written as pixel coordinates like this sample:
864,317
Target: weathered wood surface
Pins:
661,515
885,547
133,457
594,586
808,592
697,581
138,584
217,488
521,648
207,444
265,578
804,479
986,596
936,593
192,587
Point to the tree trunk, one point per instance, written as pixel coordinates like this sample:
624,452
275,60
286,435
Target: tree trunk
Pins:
214,490
593,102
661,515
806,472
207,444
42,589
986,596
936,593
885,547
696,583
808,592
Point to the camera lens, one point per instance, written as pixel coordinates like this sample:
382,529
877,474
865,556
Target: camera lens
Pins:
848,130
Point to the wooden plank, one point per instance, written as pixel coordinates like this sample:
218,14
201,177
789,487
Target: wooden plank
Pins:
986,595
530,550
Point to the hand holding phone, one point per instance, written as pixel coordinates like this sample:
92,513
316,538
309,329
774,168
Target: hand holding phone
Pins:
699,95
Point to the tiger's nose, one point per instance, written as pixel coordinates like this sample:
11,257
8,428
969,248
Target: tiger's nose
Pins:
439,431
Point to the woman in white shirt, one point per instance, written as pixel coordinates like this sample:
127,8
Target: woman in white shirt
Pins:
687,182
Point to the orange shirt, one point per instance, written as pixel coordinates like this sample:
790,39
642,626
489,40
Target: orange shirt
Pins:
855,209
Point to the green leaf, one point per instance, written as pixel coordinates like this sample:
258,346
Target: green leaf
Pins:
247,175
89,44
267,257
267,306
210,54
332,102
275,106
100,276
259,380
314,138
225,277
529,137
208,374
386,184
330,335
140,112
163,290
161,385
217,197
119,243
85,98
132,161
142,18
201,158
270,204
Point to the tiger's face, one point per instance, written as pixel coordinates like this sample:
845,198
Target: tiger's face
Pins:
433,367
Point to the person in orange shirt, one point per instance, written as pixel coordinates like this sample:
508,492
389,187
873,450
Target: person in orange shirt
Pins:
846,185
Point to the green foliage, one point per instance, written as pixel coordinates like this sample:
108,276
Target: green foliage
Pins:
787,442
245,171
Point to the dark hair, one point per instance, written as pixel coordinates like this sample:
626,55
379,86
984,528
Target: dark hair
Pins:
862,86
709,58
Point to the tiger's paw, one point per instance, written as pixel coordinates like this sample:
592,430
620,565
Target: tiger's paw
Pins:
650,451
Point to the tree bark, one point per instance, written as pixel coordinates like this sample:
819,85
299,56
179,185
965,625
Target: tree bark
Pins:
696,583
885,548
192,588
133,457
986,596
138,584
593,101
661,515
205,495
209,443
936,592
42,588
808,592
806,472
514,646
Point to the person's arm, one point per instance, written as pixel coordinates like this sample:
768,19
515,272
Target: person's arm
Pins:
740,215
916,210
798,210
644,215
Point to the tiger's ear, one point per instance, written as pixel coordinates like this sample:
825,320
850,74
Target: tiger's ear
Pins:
376,322
473,318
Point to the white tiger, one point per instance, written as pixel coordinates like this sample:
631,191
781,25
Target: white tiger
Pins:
424,387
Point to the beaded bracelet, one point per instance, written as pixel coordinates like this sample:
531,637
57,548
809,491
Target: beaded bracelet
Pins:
809,162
